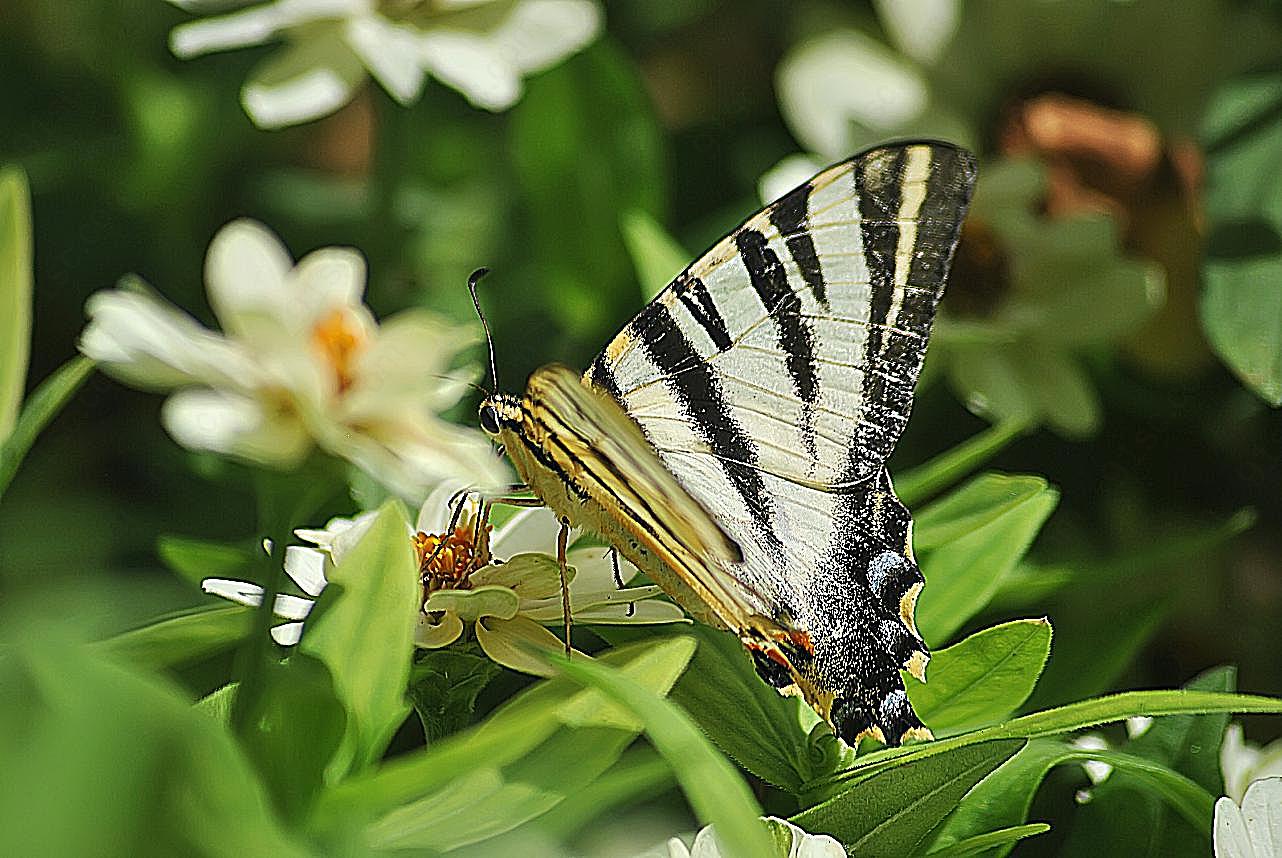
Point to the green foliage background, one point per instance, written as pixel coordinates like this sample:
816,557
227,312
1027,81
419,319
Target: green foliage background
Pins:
1160,562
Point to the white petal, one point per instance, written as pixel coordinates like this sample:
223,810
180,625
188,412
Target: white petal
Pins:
677,849
1230,834
474,65
789,173
245,272
221,422
539,33
413,456
532,530
292,607
1138,726
307,567
346,538
287,634
921,28
238,591
706,845
1237,759
844,76
237,30
435,513
325,280
1262,810
302,82
150,343
390,52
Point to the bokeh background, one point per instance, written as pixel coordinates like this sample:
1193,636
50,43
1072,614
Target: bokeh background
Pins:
1135,144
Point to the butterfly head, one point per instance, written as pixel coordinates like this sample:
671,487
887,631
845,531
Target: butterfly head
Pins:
499,412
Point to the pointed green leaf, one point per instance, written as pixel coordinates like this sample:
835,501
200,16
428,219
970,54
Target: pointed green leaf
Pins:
194,560
891,812
15,293
982,843
41,407
969,540
444,684
1242,267
982,679
714,788
100,757
183,638
947,468
362,628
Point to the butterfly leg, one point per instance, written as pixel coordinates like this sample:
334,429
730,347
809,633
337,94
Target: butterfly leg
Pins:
562,542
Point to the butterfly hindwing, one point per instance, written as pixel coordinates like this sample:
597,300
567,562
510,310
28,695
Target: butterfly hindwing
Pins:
774,377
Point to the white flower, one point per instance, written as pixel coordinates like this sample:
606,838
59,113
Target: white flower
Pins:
844,89
798,842
1242,762
482,48
300,362
1255,829
509,603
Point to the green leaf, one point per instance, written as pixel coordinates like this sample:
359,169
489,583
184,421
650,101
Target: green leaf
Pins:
15,293
297,728
1002,800
639,775
509,769
892,811
1242,267
1063,391
947,468
362,629
181,639
1004,797
715,790
444,684
980,843
99,756
777,738
656,255
194,560
42,406
1066,719
982,679
1125,806
969,540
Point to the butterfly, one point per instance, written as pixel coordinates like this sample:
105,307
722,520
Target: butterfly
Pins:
731,440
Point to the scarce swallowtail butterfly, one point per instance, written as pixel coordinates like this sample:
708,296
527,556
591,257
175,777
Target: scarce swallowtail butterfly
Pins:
731,441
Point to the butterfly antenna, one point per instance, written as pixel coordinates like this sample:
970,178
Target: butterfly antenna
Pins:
476,302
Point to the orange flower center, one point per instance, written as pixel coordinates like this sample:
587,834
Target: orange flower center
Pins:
340,340
447,560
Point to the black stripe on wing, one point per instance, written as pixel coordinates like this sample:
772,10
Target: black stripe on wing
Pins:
694,384
693,293
789,216
794,334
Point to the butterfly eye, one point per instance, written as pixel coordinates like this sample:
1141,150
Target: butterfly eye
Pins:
489,419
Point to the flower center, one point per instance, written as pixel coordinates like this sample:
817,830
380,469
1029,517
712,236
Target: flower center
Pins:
447,560
340,340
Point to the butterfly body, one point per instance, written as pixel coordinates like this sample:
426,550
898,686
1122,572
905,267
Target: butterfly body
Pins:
731,440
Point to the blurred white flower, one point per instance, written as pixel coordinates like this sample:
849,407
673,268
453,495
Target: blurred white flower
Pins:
300,362
797,842
1242,762
509,602
1253,830
482,48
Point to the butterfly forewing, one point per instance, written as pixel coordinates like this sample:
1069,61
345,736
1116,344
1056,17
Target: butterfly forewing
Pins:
774,377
